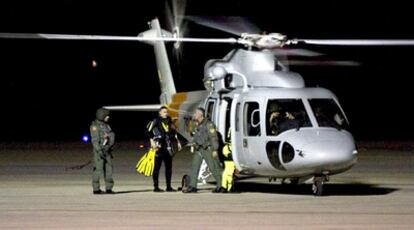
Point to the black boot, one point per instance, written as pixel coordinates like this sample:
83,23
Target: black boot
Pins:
98,192
109,191
157,189
190,190
219,190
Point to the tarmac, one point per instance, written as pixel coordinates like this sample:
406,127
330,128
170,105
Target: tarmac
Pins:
39,190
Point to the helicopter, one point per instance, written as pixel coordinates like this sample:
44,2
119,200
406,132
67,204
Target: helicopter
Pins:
279,128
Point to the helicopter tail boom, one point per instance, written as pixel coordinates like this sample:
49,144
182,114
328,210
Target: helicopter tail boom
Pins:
163,65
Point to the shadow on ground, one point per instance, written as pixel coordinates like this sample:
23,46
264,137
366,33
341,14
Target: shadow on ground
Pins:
306,189
133,191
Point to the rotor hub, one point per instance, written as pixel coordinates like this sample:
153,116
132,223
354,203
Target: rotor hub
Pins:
264,41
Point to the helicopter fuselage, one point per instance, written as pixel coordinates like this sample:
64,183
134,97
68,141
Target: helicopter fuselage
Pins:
311,136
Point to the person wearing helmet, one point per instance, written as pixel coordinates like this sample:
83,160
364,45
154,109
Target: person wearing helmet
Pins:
103,140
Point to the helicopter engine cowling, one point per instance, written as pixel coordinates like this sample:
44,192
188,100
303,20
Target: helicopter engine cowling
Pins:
246,68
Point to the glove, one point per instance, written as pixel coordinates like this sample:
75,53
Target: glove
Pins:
214,154
179,146
192,146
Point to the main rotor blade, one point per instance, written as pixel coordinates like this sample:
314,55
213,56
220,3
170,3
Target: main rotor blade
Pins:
296,52
21,36
357,42
114,38
233,25
319,63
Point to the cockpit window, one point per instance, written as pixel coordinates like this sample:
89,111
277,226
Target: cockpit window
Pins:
328,113
285,114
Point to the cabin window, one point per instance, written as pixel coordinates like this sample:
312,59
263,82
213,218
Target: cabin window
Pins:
237,117
210,108
251,119
227,128
285,114
228,80
328,113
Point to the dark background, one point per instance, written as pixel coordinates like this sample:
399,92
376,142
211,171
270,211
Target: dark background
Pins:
49,90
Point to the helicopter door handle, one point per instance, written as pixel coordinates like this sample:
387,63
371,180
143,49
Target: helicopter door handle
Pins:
245,143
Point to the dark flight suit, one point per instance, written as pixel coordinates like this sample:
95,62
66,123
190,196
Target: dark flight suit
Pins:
205,140
103,140
162,132
288,124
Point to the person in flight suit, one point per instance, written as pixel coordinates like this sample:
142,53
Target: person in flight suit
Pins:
163,137
205,144
103,140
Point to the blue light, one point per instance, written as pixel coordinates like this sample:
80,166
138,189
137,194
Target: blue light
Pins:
85,138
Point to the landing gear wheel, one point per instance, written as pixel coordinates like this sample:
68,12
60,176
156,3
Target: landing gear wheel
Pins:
317,188
294,181
290,181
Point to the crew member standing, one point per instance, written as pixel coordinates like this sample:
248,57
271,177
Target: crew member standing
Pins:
103,140
229,167
205,144
163,137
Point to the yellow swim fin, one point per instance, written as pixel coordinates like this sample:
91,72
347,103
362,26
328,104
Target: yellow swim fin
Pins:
140,167
150,163
140,162
146,163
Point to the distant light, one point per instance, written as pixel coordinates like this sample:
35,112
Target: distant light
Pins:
94,64
141,146
85,138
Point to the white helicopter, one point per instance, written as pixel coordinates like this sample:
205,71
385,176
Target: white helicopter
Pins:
280,128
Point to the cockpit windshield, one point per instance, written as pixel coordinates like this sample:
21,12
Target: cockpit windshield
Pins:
328,113
285,114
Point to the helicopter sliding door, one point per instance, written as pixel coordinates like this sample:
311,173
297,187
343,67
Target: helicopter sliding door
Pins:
248,131
236,134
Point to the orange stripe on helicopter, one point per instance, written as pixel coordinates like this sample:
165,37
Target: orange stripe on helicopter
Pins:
174,107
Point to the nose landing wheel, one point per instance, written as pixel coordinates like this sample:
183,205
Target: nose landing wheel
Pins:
317,186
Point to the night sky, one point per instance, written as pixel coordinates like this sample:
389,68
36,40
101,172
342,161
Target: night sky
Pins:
49,90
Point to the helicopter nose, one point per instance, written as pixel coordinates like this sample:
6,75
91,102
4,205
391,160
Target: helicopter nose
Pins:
331,155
